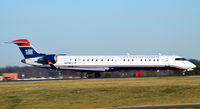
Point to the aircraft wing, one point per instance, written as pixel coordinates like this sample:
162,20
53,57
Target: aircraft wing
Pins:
97,69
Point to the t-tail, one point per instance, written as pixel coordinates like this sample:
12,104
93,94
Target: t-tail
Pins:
32,57
26,48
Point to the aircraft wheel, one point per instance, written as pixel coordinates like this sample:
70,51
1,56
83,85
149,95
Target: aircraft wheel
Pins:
81,75
89,75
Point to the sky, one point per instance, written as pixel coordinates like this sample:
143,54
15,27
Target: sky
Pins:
100,27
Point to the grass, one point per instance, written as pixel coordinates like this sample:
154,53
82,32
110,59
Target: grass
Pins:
100,93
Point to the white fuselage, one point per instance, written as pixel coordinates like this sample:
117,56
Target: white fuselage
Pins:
119,62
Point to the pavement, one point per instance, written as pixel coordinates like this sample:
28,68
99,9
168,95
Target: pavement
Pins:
194,106
40,79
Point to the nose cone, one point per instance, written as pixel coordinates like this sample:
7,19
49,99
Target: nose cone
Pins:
191,66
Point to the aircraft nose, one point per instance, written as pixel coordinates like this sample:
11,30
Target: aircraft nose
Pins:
193,66
190,66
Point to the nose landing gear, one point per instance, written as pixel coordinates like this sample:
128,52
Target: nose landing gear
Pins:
184,72
90,75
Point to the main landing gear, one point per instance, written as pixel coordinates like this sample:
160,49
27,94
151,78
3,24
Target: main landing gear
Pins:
90,75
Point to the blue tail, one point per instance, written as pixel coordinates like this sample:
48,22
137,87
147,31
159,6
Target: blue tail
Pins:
27,50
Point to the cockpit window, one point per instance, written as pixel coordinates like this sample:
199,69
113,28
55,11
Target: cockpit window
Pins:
180,59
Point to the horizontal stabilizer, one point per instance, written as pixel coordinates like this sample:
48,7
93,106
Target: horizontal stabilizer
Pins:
15,42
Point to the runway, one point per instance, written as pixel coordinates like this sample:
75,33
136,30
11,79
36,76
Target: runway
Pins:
195,106
41,80
27,80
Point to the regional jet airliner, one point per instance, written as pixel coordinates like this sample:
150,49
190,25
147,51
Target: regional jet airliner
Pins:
101,63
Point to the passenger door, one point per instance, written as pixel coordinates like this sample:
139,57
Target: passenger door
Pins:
167,62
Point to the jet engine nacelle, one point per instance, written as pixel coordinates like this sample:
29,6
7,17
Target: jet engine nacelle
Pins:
48,59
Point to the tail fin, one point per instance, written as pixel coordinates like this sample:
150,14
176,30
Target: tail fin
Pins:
27,50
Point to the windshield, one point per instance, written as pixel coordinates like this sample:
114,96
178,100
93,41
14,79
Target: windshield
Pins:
180,59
